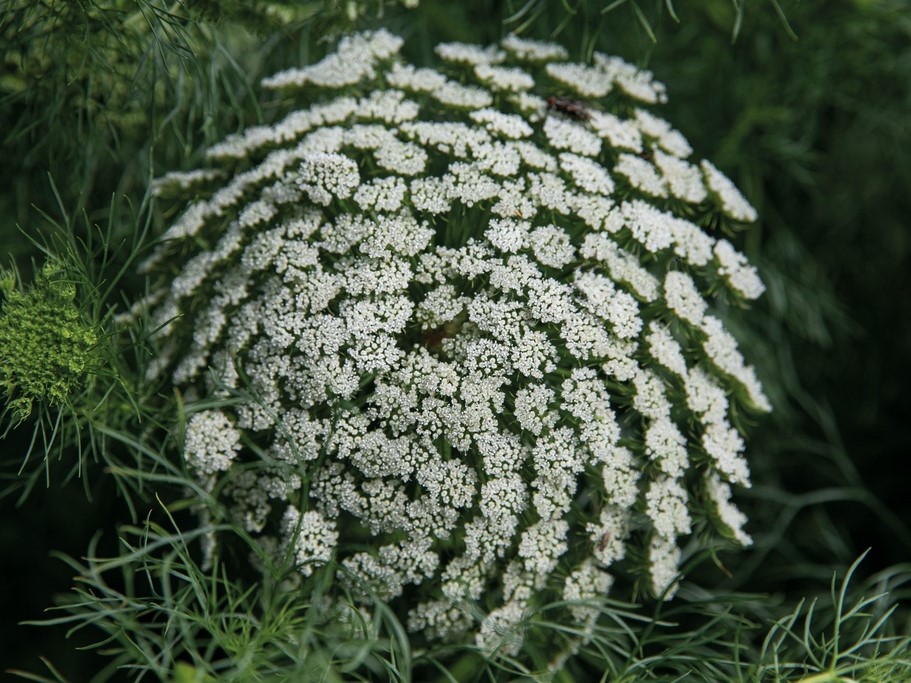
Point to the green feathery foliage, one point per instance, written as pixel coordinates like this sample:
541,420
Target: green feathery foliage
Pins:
72,371
154,609
161,613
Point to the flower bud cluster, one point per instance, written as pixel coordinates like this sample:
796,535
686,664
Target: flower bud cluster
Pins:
476,317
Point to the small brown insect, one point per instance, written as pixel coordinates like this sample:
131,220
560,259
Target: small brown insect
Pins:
605,539
572,109
432,339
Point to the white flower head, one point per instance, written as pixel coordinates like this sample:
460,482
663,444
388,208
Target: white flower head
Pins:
354,60
313,537
587,582
504,78
664,560
730,516
733,266
587,81
506,125
641,174
466,53
733,203
480,331
211,442
526,49
571,136
324,176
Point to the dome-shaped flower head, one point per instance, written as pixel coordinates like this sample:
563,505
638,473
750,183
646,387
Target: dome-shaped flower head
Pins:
473,304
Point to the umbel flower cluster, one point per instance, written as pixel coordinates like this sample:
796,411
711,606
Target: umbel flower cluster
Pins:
480,319
47,346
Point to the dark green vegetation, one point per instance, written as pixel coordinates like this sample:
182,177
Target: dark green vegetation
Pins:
100,97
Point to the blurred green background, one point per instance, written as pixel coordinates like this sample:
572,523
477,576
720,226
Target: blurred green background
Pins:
816,131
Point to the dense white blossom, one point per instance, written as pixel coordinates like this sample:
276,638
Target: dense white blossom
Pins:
720,494
661,132
664,560
587,173
211,443
733,266
500,631
354,59
587,583
665,349
584,80
504,78
479,332
467,53
637,83
733,202
666,506
683,179
526,49
506,125
571,136
641,174
324,176
183,180
312,536
534,107
620,133
683,297
551,246
621,265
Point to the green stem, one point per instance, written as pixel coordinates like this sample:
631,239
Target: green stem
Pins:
826,677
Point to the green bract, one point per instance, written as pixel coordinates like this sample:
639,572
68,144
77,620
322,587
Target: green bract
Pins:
473,304
46,346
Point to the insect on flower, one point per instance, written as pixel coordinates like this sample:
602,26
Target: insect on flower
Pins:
440,358
433,339
572,109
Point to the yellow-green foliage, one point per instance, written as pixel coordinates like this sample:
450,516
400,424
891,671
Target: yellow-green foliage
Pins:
46,345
